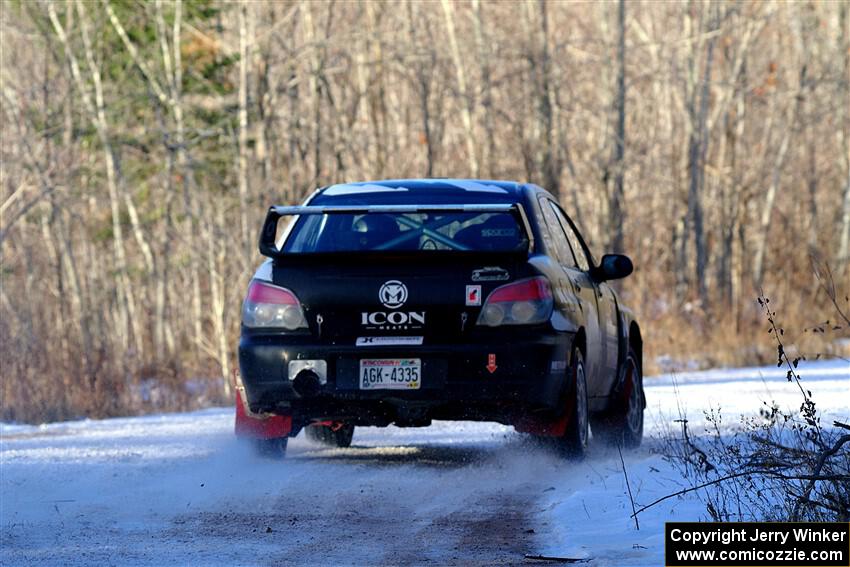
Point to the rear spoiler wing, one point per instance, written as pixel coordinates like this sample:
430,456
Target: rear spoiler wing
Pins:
268,246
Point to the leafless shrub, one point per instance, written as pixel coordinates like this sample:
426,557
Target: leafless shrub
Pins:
778,465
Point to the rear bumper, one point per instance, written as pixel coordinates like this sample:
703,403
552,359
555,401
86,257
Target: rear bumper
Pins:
529,378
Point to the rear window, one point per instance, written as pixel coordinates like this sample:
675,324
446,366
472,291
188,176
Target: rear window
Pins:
377,232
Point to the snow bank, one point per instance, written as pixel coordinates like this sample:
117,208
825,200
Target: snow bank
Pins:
590,517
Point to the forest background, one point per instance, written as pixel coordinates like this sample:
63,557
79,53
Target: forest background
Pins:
143,141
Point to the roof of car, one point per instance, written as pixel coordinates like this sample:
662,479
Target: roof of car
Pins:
511,188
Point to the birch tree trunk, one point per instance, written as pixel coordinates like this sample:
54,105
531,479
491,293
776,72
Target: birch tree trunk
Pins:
97,115
551,161
778,164
482,48
615,209
697,149
244,53
467,102
843,89
423,77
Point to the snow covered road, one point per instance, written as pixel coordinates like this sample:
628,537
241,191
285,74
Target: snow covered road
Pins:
178,489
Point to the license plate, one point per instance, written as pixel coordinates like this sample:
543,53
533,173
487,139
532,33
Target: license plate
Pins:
390,373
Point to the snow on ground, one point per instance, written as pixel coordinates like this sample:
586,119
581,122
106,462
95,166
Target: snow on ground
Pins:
177,488
592,519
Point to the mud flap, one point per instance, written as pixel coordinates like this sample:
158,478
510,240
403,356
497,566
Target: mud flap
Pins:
556,427
259,426
553,428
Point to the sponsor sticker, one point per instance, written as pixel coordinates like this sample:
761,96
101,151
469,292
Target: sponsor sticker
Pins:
393,320
392,294
490,274
473,295
491,363
500,232
388,341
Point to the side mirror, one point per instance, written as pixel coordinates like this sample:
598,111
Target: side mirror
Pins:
613,267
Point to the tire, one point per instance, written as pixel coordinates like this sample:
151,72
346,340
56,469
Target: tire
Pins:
623,425
271,448
326,435
574,442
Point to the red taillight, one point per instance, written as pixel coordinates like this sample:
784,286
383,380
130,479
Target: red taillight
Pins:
260,292
268,305
525,290
525,302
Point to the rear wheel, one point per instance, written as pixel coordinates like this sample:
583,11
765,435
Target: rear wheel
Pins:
338,435
623,425
271,448
574,441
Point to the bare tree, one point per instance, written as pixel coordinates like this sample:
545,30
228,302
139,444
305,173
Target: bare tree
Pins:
244,61
843,89
467,102
142,142
615,210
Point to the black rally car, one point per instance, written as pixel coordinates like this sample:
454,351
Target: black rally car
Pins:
399,302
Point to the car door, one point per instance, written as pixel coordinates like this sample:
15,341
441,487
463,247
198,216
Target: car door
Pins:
582,286
606,305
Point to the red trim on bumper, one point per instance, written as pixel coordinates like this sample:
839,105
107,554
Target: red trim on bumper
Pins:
263,427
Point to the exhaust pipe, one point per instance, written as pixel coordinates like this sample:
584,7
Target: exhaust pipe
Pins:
306,384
